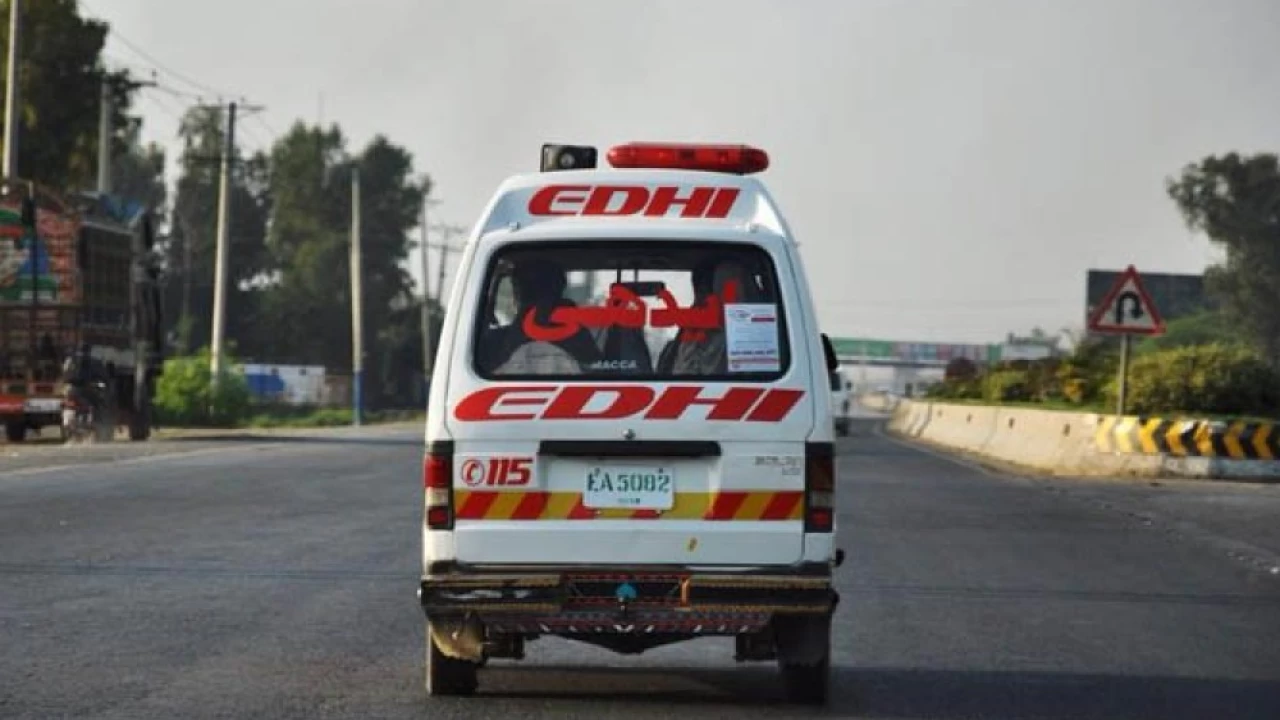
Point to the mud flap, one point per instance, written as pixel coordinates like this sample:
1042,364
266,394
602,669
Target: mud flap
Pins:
460,638
802,639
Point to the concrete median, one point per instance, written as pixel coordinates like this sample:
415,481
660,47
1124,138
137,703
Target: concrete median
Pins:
1064,443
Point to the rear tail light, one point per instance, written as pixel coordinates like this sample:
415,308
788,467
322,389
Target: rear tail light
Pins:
437,478
819,487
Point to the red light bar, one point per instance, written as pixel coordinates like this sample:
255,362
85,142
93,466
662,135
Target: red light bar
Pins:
736,159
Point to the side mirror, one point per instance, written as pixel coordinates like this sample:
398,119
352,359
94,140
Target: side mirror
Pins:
829,350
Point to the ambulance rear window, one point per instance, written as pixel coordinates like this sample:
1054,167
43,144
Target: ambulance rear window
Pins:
631,309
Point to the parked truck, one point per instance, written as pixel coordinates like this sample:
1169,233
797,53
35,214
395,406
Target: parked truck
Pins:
80,313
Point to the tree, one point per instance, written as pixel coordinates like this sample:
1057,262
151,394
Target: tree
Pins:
308,305
60,78
308,242
1203,328
960,368
137,174
1235,201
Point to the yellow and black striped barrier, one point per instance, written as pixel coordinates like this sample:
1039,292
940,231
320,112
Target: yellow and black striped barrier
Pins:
1238,440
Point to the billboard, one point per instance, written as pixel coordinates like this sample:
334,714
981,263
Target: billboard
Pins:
890,351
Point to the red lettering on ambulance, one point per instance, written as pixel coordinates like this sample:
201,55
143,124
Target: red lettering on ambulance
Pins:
624,200
574,402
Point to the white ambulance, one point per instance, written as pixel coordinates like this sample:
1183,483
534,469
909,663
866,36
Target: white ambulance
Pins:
629,438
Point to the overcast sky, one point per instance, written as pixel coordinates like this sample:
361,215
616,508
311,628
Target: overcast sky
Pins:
952,169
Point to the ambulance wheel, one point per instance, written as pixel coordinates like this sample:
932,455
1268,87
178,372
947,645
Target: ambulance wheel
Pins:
446,675
15,432
804,658
806,684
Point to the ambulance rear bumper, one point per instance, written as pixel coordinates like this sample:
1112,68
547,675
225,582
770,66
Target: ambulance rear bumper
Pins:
550,592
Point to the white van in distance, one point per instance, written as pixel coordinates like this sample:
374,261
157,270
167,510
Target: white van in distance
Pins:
841,400
629,439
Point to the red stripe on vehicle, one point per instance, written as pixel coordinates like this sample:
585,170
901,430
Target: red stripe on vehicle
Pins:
530,507
781,505
476,506
725,505
580,511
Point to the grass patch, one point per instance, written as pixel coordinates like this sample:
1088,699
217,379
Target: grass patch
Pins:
1097,408
301,417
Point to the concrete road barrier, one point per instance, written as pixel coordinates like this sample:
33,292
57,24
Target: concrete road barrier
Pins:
1087,444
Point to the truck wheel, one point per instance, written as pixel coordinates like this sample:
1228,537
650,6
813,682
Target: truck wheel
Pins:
15,432
446,675
804,659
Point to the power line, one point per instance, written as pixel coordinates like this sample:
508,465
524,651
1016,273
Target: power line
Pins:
157,65
164,68
267,126
164,107
181,94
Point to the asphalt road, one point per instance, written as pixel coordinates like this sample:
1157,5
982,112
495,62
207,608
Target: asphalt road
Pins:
276,579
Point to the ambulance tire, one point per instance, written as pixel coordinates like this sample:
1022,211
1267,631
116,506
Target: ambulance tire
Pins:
806,684
16,431
445,675
805,680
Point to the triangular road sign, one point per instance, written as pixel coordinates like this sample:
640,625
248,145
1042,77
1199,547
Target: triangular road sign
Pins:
1127,308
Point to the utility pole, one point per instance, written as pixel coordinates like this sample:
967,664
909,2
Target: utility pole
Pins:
357,329
220,256
428,349
187,239
11,96
104,136
106,129
224,228
448,231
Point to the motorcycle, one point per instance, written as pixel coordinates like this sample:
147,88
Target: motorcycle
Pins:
78,412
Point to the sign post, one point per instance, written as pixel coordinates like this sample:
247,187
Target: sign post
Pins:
1126,310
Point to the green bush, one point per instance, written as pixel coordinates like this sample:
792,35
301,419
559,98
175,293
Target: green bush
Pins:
300,417
960,369
1083,377
1006,386
955,389
1075,390
1214,379
185,396
1043,383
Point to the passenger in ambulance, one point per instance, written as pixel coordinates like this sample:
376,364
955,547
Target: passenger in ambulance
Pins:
626,351
538,285
701,278
708,355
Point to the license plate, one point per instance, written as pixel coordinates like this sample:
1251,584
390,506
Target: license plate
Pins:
633,487
44,405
